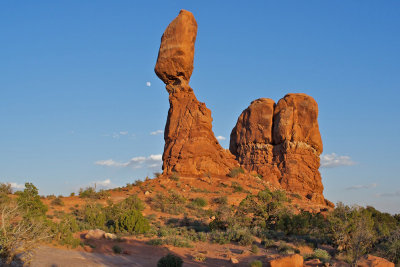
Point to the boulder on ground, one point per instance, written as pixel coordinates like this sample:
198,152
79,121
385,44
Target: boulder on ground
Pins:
294,260
374,261
95,234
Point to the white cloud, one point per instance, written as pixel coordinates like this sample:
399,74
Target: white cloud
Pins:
220,137
393,194
364,186
151,161
157,132
333,160
148,84
103,184
16,186
123,132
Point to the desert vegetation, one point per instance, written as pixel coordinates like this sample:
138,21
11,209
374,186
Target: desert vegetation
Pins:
261,221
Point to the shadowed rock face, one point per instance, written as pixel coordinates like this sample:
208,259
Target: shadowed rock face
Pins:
190,145
282,143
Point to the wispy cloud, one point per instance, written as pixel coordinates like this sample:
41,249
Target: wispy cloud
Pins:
117,135
333,160
220,137
148,84
156,132
364,186
392,194
151,161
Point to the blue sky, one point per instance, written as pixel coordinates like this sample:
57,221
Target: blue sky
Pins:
80,103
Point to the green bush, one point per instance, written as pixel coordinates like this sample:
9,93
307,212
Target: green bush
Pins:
237,187
94,215
57,202
200,202
254,249
256,263
170,261
223,200
322,255
29,201
132,221
90,192
5,189
63,231
235,172
117,249
171,203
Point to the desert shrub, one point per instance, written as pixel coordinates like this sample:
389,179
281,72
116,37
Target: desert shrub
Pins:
352,231
219,237
200,257
29,201
322,255
256,263
304,223
157,174
170,261
268,243
286,249
254,249
223,200
94,216
171,203
200,202
63,231
235,172
174,176
20,232
57,202
132,222
5,189
390,247
132,202
237,187
262,210
117,249
90,192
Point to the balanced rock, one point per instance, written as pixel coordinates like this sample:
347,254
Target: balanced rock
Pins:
176,54
190,144
282,143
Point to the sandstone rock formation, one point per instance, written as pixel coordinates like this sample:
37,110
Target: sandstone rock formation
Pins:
294,260
190,145
374,261
282,143
251,139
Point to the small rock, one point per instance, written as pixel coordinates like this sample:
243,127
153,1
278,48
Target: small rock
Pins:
146,193
212,218
95,234
234,261
110,236
88,249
